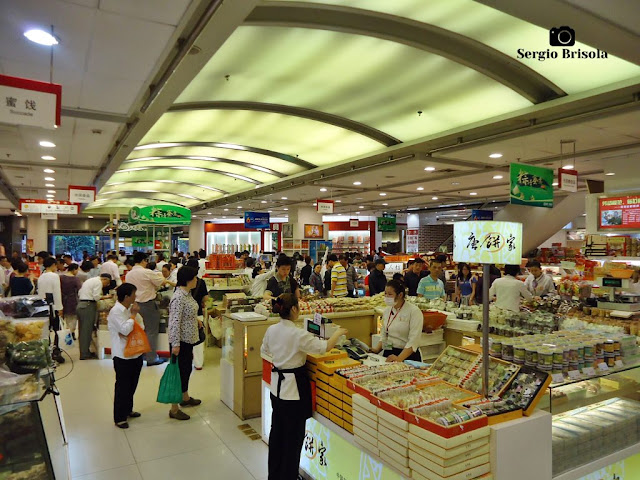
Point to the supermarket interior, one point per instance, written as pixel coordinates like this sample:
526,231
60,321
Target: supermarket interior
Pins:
319,239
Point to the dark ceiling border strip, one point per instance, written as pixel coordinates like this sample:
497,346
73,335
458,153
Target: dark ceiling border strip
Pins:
204,158
308,113
456,47
230,146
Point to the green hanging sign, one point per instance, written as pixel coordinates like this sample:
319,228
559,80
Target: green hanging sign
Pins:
531,185
160,215
387,224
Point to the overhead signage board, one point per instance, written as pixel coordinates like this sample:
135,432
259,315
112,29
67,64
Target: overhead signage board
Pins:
257,220
49,216
387,224
324,206
487,242
568,180
80,194
481,215
532,186
619,212
412,240
30,102
354,223
60,207
160,215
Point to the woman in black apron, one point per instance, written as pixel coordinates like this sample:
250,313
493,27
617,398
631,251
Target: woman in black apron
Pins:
288,346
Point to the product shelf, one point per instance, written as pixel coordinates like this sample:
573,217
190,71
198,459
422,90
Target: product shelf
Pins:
223,272
605,461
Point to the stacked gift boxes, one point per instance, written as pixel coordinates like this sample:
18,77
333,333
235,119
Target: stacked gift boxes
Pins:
365,423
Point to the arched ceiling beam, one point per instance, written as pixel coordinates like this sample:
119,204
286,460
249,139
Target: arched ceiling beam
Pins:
135,192
318,116
236,163
133,195
464,50
229,146
196,185
193,169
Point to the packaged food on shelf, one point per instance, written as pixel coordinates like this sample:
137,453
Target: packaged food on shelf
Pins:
16,388
23,307
27,329
29,357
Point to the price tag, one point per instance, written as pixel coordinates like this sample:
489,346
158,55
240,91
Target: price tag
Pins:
557,378
603,367
619,364
590,371
574,374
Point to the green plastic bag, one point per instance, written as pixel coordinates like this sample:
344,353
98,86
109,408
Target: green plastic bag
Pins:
170,390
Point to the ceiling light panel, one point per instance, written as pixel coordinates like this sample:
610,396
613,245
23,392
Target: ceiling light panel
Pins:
263,47
479,22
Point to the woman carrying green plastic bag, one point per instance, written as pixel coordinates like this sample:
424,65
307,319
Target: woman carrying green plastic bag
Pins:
170,390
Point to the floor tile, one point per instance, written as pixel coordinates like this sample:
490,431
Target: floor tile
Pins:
103,451
130,472
253,454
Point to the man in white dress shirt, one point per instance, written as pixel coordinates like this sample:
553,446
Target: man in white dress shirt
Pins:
49,284
88,296
111,267
508,290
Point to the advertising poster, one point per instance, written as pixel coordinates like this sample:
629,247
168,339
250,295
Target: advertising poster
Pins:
481,215
412,240
487,242
387,224
313,231
532,186
619,212
160,215
257,220
627,469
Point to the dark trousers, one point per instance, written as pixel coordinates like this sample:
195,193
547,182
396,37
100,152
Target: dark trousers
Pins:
86,312
127,376
185,362
286,438
151,316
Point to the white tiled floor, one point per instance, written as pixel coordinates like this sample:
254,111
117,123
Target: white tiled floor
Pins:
155,447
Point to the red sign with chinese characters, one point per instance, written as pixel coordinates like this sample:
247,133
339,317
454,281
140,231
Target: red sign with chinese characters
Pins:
620,212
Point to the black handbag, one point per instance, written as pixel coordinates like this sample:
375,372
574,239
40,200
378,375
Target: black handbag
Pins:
201,336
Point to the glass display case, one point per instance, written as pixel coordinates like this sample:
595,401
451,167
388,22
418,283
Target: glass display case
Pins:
232,242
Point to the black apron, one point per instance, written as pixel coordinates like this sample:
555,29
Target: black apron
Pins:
415,356
304,388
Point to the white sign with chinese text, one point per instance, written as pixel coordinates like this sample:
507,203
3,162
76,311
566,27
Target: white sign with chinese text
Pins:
487,242
46,206
49,216
29,102
412,240
79,194
324,206
568,180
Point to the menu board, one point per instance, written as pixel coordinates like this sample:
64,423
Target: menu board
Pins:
620,212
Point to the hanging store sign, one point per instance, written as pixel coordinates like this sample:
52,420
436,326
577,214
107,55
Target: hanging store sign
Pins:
412,240
313,231
354,223
568,180
532,186
619,212
387,224
30,205
257,220
49,216
160,215
80,194
29,102
487,242
481,215
324,206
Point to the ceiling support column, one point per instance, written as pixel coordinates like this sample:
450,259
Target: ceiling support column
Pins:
38,231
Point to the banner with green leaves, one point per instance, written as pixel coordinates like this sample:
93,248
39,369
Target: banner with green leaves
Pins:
531,185
160,215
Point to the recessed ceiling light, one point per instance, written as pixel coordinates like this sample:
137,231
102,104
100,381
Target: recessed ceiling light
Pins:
47,144
555,184
473,193
209,213
360,206
495,155
285,209
283,198
385,204
429,169
41,37
315,204
323,189
47,157
382,194
224,217
434,198
263,201
455,183
567,167
357,183
340,214
90,216
269,211
239,206
338,201
49,179
49,185
51,191
584,214
420,188
609,174
49,170
50,196
498,177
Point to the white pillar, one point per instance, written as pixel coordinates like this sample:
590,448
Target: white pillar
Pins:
305,216
196,234
38,230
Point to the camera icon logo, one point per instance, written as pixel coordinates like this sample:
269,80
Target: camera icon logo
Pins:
562,37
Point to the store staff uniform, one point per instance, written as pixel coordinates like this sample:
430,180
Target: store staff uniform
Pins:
401,329
88,296
290,394
508,290
541,286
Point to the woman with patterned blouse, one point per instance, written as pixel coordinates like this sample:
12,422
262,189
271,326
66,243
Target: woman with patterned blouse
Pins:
183,333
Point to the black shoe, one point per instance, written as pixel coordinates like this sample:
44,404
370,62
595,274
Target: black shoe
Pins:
91,356
73,335
122,425
135,415
57,356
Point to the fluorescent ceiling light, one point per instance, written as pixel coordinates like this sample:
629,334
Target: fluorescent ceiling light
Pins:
385,204
41,37
315,204
323,189
498,177
555,184
338,201
361,206
420,188
208,213
49,185
51,191
382,194
47,157
495,155
47,144
50,179
473,193
357,183
239,206
226,209
49,170
567,167
609,174
285,209
429,169
50,196
284,198
269,211
263,201
434,198
90,216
